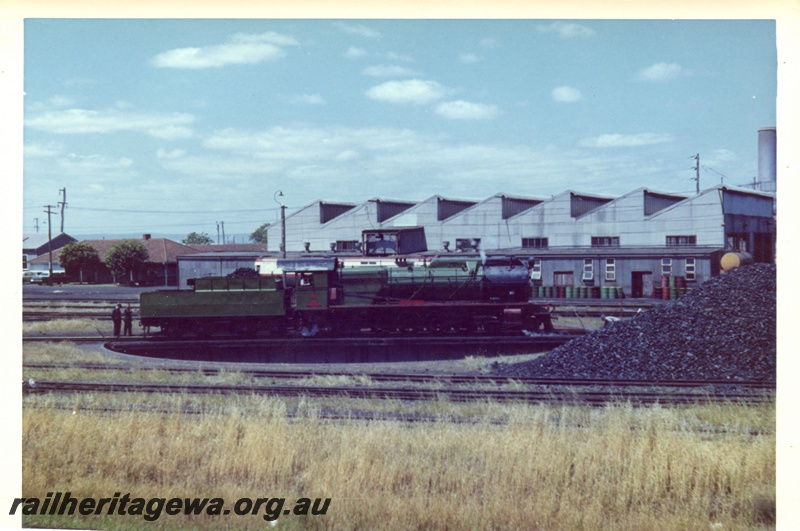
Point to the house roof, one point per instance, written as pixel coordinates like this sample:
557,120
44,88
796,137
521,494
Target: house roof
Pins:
231,248
38,240
159,250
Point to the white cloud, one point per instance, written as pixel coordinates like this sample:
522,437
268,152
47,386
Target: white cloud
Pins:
51,149
358,29
55,102
171,154
566,94
660,72
464,110
308,99
567,30
394,56
723,155
355,53
99,165
268,37
415,91
170,132
618,140
488,43
84,121
346,155
469,58
241,49
388,71
364,162
211,167
60,101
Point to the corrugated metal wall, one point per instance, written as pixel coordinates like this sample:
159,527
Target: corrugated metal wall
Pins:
581,204
657,202
328,211
512,207
387,210
447,208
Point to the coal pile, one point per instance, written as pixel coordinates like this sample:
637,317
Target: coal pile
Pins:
723,330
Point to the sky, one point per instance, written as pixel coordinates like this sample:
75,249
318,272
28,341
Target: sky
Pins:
169,126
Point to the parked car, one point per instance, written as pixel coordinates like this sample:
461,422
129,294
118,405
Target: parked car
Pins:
43,277
33,277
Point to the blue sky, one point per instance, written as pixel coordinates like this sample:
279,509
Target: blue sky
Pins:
169,126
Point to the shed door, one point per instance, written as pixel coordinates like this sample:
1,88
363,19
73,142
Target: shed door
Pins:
563,278
641,284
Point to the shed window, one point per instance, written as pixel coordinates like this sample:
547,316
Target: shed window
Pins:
673,241
605,241
588,269
536,269
346,245
690,270
666,266
611,269
534,243
737,241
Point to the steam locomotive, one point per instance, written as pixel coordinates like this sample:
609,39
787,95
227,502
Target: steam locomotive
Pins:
310,296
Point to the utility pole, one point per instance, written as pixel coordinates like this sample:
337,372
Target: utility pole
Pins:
217,232
63,205
36,222
283,221
283,229
223,231
697,171
49,243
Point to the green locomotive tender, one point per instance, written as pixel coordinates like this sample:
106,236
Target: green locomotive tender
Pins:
313,295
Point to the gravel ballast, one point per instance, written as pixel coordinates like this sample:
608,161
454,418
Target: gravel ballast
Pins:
725,329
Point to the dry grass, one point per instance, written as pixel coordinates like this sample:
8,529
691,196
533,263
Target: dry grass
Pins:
547,467
69,326
63,353
544,467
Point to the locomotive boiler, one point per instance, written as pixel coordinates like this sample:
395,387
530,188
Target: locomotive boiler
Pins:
318,295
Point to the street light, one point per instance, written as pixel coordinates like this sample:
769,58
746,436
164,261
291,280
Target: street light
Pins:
283,221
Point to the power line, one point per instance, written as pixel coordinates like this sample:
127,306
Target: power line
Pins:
180,212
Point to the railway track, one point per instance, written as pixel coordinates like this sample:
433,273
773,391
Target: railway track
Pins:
571,393
456,379
103,315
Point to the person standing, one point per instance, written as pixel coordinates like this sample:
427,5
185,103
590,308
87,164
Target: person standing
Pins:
116,317
127,318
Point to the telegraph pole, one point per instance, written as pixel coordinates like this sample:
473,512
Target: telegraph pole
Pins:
63,205
223,231
283,221
49,243
283,229
36,222
697,171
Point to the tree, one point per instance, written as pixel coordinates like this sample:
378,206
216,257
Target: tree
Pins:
260,234
197,239
125,257
77,258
